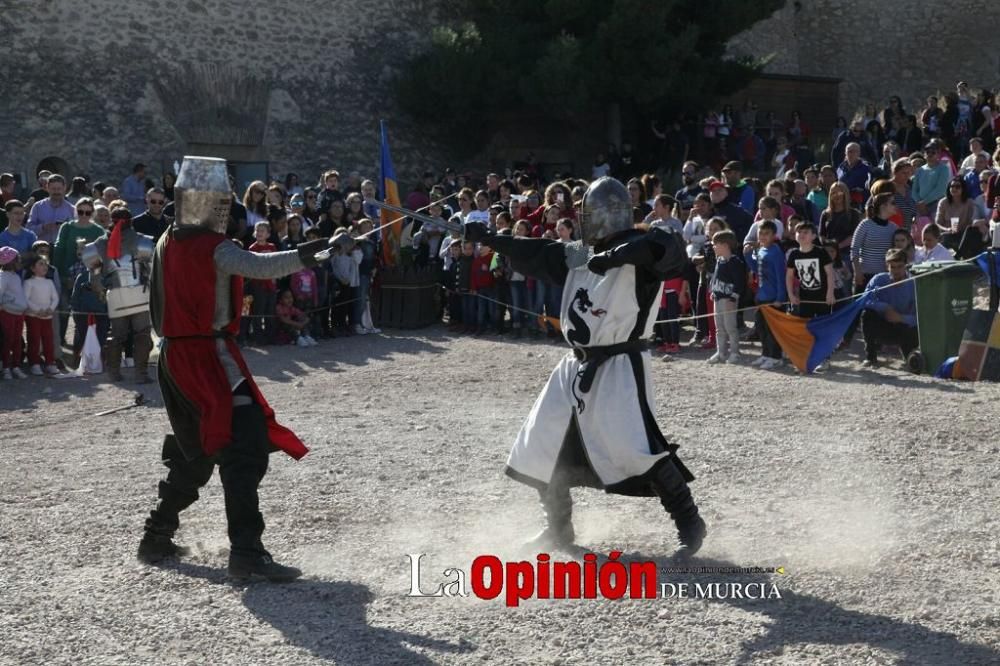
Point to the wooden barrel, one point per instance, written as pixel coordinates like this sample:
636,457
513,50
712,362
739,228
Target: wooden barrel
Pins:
408,297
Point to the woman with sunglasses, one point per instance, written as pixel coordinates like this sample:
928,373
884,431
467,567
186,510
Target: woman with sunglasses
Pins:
310,212
255,201
64,255
955,213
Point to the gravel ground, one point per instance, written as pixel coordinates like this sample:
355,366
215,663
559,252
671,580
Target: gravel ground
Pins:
876,490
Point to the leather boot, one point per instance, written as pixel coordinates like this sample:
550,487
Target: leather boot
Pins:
675,496
115,361
176,493
247,566
141,348
557,507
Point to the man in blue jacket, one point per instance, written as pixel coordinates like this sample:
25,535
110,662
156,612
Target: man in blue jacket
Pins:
890,317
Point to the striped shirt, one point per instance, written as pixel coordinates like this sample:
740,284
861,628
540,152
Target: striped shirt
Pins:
871,241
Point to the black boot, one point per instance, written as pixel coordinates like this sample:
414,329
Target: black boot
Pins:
557,507
176,493
244,566
675,496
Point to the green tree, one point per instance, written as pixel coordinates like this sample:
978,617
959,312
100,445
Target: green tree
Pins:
570,58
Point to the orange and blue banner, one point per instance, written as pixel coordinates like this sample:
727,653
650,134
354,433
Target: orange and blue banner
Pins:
390,195
809,342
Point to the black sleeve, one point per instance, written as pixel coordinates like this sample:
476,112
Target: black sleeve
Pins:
669,254
539,258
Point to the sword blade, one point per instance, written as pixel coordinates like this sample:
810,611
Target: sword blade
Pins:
427,219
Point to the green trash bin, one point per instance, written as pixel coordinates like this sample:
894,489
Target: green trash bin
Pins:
944,301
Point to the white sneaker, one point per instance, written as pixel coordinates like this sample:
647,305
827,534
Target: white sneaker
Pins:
716,358
770,363
301,341
360,330
310,340
52,370
36,370
17,372
735,359
374,330
129,362
760,361
6,374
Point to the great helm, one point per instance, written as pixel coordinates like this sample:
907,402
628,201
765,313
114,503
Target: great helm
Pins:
606,209
201,194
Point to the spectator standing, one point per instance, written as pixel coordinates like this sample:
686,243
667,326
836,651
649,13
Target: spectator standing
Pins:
12,307
42,299
134,190
855,173
771,289
84,302
728,285
49,214
15,235
955,213
262,291
809,278
930,182
152,221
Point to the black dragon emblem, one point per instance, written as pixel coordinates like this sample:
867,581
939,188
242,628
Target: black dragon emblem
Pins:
580,335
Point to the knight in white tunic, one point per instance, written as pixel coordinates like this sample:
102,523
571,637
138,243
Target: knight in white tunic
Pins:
593,423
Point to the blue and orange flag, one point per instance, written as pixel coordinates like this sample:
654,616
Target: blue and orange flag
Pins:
390,195
809,342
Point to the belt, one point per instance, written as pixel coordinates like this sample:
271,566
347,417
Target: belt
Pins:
593,357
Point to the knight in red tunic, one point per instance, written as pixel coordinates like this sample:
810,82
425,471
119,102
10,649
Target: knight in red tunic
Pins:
216,411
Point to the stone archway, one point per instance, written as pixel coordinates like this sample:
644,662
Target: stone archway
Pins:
55,165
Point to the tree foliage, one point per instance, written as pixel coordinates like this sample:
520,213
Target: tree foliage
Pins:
567,58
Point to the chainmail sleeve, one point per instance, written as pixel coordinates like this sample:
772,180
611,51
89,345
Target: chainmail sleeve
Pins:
233,260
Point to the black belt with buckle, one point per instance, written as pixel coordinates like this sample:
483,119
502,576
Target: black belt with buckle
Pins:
593,357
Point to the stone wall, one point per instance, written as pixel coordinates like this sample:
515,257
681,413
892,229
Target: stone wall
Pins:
910,49
105,84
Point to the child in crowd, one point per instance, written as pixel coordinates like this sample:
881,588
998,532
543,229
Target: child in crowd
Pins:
463,284
519,296
12,307
323,289
810,269
902,240
501,274
306,298
668,329
344,262
932,250
42,298
704,267
771,272
452,292
369,253
292,323
841,271
729,281
768,210
484,288
85,302
262,291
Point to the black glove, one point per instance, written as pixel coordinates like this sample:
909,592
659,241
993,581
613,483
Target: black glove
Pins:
308,251
600,263
477,232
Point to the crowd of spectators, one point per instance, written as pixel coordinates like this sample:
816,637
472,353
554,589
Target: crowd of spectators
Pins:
768,226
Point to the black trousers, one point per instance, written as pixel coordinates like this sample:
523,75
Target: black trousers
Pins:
242,466
852,329
769,346
878,331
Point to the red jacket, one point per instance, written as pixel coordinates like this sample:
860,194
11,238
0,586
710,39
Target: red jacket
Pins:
482,276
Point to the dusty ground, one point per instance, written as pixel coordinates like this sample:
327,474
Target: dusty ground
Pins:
876,491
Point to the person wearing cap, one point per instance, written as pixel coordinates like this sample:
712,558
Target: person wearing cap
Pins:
13,304
930,182
738,219
740,192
